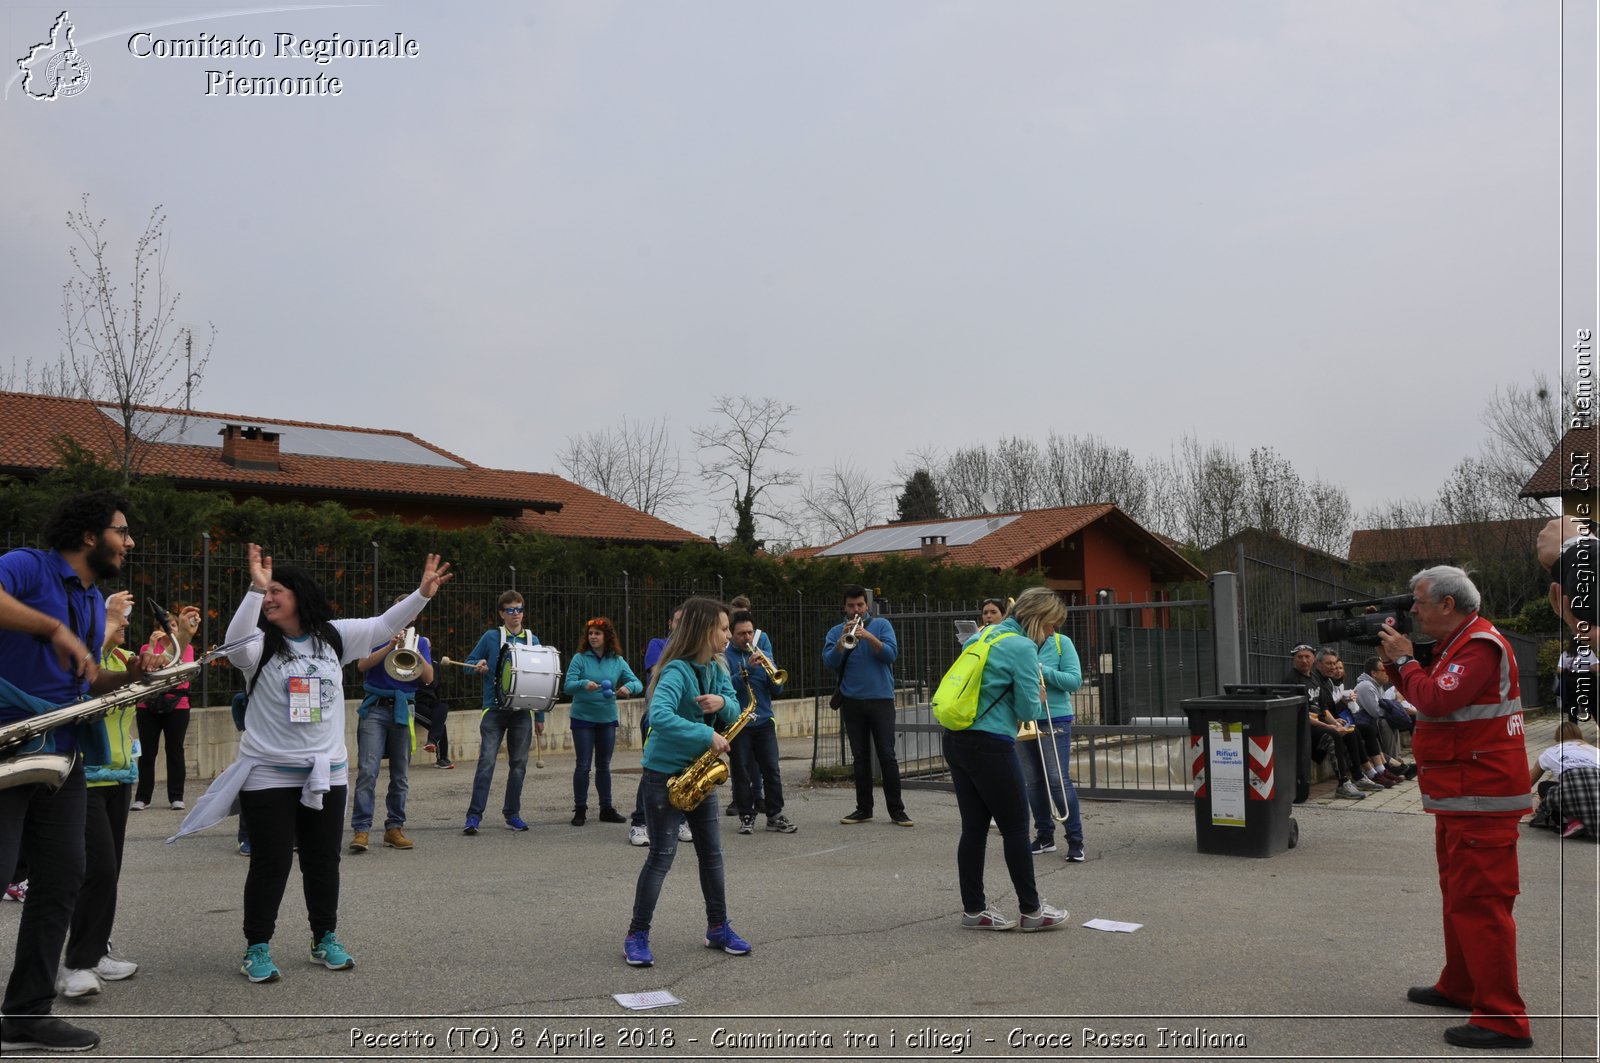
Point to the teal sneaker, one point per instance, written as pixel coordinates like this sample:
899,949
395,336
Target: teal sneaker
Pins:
258,965
331,954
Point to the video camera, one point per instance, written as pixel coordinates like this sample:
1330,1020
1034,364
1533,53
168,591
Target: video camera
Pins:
1363,618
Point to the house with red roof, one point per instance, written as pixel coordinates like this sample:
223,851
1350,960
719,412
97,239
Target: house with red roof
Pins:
1079,550
388,472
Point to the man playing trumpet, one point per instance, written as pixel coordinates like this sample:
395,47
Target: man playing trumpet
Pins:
755,749
392,674
861,651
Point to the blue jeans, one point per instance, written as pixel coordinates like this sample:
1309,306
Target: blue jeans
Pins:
988,784
378,736
515,727
637,819
1033,777
596,744
662,820
755,760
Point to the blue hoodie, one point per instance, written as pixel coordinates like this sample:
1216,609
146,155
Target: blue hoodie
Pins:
593,706
679,731
739,661
869,676
1062,675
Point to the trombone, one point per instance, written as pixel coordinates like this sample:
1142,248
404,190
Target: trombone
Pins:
1032,731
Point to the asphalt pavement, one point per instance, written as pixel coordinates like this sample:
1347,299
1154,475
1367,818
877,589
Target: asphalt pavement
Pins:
510,944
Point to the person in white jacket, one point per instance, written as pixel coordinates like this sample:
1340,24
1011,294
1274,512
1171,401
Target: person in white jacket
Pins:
292,773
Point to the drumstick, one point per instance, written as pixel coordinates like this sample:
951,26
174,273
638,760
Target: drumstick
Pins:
458,664
538,761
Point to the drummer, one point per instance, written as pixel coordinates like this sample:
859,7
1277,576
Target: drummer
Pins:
516,727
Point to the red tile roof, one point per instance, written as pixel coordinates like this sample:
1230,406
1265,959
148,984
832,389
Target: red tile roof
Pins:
1554,476
28,424
1034,531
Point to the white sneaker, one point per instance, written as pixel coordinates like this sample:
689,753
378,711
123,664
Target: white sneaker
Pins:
138,806
176,806
684,833
76,982
638,836
114,970
1048,919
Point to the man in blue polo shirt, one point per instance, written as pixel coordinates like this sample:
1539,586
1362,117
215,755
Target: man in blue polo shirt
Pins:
56,614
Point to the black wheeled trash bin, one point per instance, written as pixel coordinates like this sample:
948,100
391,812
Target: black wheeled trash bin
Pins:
1243,751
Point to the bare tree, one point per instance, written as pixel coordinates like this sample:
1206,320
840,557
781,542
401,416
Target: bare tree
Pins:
1086,470
1327,526
966,481
843,501
739,453
127,354
1274,498
44,379
1018,475
1525,425
637,464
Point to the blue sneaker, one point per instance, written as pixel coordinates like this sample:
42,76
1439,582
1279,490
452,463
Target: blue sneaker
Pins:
516,823
637,948
722,937
258,965
331,954
244,847
472,825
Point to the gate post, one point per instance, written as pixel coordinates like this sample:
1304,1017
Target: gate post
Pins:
1225,628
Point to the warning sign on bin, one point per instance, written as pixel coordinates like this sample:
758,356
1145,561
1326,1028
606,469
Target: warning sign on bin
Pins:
1226,774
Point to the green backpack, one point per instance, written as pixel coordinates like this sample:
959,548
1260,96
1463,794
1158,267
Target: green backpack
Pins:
955,703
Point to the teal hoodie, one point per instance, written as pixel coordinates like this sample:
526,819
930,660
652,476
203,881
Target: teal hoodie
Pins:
592,705
1010,690
1062,674
679,731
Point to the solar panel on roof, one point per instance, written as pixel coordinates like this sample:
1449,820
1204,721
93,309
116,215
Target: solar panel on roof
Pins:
191,431
910,536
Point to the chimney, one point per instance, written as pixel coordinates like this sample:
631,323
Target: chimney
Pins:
249,448
933,546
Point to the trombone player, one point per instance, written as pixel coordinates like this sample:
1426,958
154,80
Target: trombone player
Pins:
755,749
392,674
51,611
1046,763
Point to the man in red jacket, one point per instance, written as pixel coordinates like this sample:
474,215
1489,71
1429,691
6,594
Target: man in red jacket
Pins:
1473,772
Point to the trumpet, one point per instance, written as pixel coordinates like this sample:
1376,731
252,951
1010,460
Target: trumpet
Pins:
852,633
405,663
778,675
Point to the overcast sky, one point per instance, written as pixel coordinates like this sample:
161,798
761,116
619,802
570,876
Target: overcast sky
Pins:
1332,228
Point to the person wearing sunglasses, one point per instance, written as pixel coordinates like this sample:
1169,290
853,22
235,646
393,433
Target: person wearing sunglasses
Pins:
509,725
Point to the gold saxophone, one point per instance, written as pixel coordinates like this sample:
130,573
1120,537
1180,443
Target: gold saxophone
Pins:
687,789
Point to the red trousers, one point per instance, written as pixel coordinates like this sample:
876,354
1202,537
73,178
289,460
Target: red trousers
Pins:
1478,878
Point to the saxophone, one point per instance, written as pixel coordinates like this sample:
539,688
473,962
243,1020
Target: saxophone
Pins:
687,789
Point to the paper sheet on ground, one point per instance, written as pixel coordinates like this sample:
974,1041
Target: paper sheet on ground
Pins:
1113,926
644,1001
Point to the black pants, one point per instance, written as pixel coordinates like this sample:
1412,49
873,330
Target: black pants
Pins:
988,782
47,827
277,822
869,725
105,826
153,726
755,769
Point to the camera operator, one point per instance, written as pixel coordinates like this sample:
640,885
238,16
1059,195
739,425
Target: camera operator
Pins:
1473,766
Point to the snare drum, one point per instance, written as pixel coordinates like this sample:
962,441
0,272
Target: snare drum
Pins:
527,677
